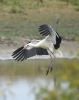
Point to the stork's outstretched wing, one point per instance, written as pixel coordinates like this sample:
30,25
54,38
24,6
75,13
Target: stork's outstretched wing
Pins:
23,53
46,30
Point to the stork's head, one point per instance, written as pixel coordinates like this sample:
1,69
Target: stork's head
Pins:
29,41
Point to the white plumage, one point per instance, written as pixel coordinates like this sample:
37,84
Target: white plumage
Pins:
46,46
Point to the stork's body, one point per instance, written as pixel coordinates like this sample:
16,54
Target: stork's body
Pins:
46,46
44,43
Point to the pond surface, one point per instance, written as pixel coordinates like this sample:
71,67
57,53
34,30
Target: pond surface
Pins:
21,88
22,80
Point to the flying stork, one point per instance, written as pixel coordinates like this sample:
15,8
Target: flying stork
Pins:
46,46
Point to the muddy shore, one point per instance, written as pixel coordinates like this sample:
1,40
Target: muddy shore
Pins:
7,46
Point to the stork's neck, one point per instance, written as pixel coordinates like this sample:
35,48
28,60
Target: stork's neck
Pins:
32,44
41,43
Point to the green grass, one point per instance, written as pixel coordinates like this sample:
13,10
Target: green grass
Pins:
64,68
74,2
21,18
30,68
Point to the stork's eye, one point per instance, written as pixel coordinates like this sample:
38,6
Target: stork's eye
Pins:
28,42
27,45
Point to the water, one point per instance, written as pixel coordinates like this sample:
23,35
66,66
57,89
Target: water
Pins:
24,88
18,81
69,49
24,80
21,88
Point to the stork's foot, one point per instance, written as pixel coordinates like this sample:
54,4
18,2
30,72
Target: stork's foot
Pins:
50,68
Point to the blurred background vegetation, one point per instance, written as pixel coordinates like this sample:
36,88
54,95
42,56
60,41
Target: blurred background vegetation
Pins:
22,17
19,19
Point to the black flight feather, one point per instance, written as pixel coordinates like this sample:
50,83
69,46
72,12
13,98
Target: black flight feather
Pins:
22,53
44,30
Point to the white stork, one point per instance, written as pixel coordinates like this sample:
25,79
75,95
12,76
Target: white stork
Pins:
46,46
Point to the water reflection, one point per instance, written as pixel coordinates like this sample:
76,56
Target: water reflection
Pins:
24,80
22,88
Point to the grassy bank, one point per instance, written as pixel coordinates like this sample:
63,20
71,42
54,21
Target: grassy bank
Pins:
36,67
21,18
73,2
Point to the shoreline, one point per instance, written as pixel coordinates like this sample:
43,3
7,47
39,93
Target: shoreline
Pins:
70,49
